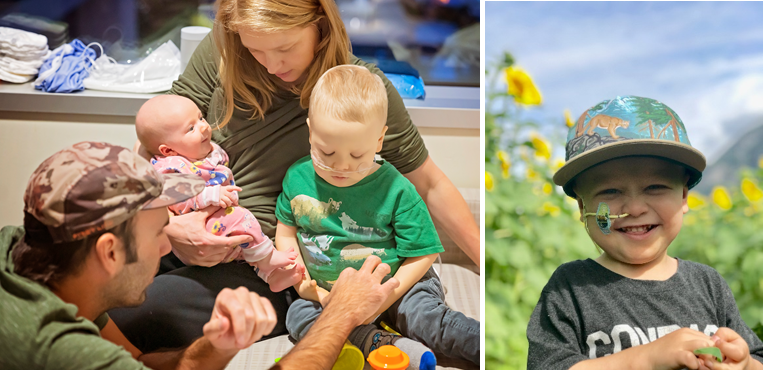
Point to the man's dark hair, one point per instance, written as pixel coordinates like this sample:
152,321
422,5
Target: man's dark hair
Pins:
37,258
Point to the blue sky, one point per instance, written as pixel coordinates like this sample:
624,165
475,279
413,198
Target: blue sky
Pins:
703,59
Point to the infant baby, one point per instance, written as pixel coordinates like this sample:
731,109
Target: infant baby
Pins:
172,129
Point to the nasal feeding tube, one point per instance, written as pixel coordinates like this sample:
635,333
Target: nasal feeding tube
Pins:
603,218
362,168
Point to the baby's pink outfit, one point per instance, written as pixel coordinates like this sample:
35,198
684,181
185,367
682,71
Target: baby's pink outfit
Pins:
226,221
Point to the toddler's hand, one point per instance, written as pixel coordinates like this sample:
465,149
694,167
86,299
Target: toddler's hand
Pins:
736,353
676,350
229,196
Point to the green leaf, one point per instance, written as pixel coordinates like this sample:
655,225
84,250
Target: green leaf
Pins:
713,351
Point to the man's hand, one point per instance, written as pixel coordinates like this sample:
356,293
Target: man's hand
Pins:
239,319
229,196
735,351
194,245
360,293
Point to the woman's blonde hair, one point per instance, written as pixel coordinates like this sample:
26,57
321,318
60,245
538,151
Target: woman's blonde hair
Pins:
244,80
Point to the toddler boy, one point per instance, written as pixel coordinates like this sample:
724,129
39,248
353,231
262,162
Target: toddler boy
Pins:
340,206
630,166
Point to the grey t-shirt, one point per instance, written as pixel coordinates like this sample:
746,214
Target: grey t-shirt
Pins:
587,311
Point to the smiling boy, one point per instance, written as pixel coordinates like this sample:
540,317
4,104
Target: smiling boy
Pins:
634,306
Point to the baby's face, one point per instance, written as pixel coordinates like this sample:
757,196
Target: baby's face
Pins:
651,190
187,132
343,152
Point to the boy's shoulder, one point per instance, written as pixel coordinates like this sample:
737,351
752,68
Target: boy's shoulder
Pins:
582,273
302,166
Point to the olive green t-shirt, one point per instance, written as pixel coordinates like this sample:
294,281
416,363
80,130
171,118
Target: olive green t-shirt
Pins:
40,331
261,151
339,227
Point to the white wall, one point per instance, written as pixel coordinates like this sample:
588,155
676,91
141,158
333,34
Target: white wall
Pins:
26,139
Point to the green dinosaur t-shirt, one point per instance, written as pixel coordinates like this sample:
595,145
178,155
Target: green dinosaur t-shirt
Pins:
40,331
339,227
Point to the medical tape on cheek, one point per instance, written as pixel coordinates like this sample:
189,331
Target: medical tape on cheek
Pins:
603,218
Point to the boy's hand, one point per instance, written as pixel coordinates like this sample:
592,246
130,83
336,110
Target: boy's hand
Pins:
676,350
229,196
323,295
736,353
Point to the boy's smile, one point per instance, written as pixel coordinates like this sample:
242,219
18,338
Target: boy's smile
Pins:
653,193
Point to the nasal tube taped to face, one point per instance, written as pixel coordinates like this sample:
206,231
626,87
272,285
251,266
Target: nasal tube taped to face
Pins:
603,218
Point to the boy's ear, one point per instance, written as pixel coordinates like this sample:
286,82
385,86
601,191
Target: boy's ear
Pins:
381,139
309,131
685,203
166,151
580,208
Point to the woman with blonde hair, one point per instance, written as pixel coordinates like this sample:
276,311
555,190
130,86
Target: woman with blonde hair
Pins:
252,79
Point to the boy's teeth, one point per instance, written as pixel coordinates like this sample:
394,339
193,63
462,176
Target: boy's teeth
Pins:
637,229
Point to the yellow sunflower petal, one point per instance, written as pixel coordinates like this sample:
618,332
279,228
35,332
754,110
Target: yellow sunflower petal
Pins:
541,146
751,191
721,198
695,201
505,163
568,118
489,181
547,188
522,87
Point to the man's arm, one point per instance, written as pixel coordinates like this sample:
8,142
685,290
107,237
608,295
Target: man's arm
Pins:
354,297
239,319
447,207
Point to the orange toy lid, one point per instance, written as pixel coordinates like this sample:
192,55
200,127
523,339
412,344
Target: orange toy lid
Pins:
388,357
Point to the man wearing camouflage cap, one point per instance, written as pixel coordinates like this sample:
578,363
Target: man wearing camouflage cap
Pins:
92,240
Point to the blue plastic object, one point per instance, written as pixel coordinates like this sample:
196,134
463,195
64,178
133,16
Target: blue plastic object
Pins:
408,86
74,67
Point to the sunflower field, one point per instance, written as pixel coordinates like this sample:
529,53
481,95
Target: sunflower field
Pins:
532,227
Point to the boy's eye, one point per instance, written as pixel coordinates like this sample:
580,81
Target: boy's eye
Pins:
190,129
356,157
327,154
656,187
608,191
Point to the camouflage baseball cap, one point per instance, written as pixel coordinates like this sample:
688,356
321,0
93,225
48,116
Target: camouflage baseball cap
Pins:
91,187
627,126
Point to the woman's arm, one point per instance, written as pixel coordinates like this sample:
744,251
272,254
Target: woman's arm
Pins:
194,245
409,273
239,319
447,207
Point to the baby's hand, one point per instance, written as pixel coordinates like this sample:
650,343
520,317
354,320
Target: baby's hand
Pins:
229,196
676,350
735,351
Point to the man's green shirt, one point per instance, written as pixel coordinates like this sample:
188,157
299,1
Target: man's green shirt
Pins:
381,215
40,331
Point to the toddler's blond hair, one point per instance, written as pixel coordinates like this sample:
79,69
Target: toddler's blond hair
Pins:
350,93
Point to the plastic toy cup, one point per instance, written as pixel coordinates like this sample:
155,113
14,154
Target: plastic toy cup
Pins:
350,358
388,358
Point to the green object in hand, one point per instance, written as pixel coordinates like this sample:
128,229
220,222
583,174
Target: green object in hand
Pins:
713,351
